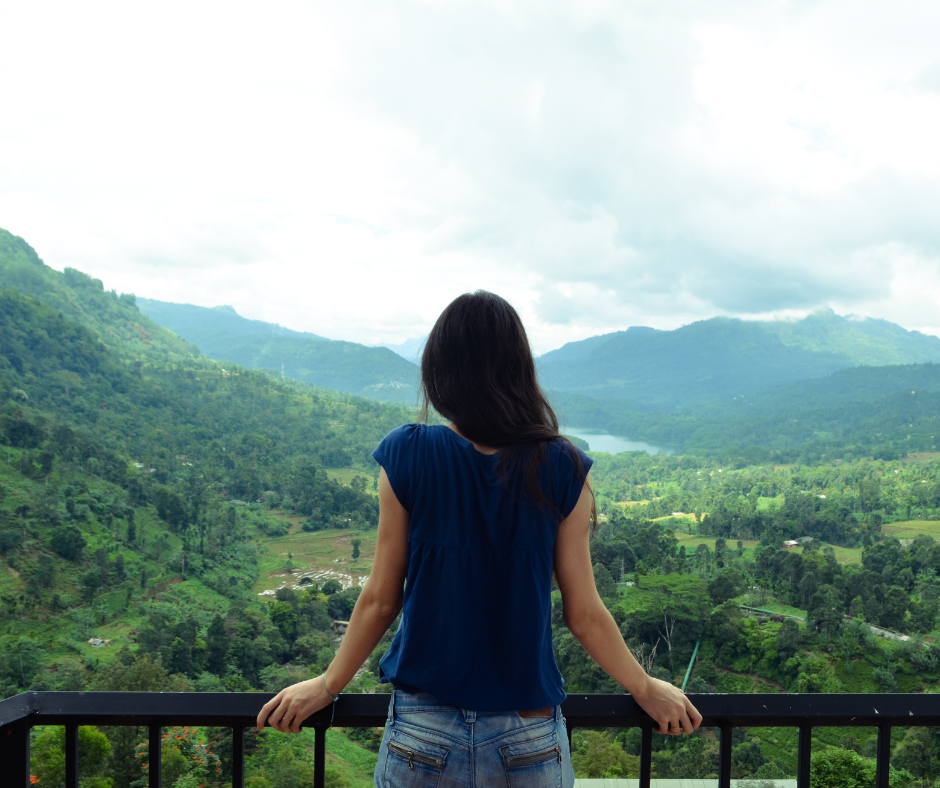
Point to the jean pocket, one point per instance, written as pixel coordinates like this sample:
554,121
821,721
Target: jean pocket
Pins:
414,762
535,763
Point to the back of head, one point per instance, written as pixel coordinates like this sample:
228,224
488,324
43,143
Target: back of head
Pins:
477,371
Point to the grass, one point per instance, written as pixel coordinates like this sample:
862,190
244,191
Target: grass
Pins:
920,456
317,550
691,542
846,555
773,607
908,529
8,580
345,476
337,743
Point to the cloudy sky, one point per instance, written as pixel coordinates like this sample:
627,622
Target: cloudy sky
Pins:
349,167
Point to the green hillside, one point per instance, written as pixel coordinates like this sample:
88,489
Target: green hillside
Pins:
222,333
114,318
866,411
136,499
648,369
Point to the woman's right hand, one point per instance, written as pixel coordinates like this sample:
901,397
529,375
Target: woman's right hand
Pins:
668,706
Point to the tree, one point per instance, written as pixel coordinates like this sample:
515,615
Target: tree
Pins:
725,586
140,674
47,755
606,587
217,645
675,598
857,608
748,758
331,586
68,543
46,570
825,610
835,768
894,607
91,582
340,607
788,639
285,619
595,756
355,546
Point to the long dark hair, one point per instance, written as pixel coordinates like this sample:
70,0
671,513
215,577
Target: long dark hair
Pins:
477,371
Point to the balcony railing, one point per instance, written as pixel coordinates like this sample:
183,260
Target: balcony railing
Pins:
238,711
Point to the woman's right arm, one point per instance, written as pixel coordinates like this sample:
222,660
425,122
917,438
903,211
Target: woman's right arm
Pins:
594,628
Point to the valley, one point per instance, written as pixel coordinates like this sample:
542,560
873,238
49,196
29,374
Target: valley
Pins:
171,521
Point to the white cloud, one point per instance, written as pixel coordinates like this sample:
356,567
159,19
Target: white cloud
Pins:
348,168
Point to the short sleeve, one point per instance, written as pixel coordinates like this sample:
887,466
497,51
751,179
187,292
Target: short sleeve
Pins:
397,455
568,480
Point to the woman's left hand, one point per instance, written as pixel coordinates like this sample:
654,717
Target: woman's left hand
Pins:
291,706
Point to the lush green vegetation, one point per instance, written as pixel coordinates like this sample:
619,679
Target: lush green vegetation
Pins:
222,333
767,618
113,318
166,525
138,493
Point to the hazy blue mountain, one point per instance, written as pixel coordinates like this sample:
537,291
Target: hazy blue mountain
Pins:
722,357
410,349
222,333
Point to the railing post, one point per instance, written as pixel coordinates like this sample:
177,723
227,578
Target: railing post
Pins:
155,766
14,755
804,752
319,757
646,756
883,769
71,755
570,740
238,757
724,758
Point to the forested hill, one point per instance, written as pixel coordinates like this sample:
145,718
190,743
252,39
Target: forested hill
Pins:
116,476
882,412
222,333
114,318
648,369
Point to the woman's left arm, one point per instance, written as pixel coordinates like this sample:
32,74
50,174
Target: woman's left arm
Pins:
378,605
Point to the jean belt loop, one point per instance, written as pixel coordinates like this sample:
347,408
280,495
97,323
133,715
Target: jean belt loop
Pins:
391,708
558,717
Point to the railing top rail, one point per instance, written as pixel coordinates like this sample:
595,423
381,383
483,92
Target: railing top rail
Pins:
232,709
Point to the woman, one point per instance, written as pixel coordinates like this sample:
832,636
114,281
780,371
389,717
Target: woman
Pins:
477,516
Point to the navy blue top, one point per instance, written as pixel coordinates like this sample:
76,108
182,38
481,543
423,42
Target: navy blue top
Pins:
476,621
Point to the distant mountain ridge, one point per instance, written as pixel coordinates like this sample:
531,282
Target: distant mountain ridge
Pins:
223,334
648,369
884,412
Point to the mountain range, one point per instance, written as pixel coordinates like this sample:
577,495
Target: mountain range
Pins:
715,386
221,333
647,369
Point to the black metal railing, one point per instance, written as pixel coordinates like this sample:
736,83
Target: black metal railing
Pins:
156,710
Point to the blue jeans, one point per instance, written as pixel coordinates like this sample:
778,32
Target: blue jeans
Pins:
431,744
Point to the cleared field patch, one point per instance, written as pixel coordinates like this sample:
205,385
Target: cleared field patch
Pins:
846,555
345,477
920,456
316,550
691,542
908,529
